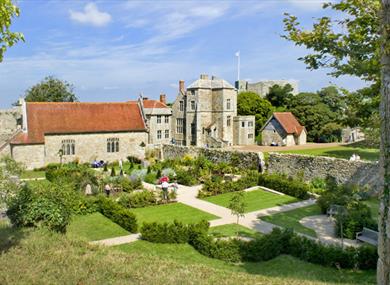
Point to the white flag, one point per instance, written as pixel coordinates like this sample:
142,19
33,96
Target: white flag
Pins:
238,53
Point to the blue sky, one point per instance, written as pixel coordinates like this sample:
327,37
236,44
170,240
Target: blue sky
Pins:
114,50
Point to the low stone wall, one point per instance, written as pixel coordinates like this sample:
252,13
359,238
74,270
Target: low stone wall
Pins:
344,171
238,158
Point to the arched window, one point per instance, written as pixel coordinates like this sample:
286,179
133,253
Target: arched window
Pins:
113,145
68,147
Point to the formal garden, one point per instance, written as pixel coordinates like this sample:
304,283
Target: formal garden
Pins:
60,203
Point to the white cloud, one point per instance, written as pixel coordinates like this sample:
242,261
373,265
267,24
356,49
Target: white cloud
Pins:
91,16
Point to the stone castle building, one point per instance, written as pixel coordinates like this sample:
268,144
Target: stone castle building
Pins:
262,87
283,129
205,114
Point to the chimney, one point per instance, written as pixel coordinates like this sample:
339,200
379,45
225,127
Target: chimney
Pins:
204,76
181,86
163,99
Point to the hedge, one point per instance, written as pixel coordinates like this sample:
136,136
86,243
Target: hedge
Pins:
117,214
261,248
281,183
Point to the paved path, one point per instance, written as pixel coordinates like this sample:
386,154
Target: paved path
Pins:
117,240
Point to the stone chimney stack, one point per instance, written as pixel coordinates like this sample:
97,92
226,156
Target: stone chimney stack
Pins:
163,98
204,76
181,86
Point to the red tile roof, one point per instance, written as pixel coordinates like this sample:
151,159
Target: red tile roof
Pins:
67,118
289,123
149,104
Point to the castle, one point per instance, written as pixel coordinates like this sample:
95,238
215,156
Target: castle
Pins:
204,114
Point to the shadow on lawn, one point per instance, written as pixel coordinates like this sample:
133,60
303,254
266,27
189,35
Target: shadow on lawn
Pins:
9,236
285,266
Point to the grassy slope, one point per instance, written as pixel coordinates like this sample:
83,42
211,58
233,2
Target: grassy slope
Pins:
255,200
40,257
232,230
291,219
373,203
287,269
340,152
94,227
170,212
31,174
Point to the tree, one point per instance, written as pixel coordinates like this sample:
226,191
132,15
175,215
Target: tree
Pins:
237,204
312,113
347,45
8,11
51,89
9,182
383,269
280,96
251,104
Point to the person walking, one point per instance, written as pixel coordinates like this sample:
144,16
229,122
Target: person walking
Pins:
107,189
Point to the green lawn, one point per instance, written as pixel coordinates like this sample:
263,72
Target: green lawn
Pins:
232,230
170,212
291,219
287,269
255,200
94,227
339,152
32,174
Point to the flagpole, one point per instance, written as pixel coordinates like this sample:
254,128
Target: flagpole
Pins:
238,66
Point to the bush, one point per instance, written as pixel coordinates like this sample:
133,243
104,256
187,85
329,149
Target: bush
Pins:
186,177
214,186
138,199
367,257
71,173
175,232
123,183
133,159
117,214
357,216
45,205
281,183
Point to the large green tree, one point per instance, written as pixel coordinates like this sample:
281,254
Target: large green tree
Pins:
51,90
8,11
250,103
280,96
348,45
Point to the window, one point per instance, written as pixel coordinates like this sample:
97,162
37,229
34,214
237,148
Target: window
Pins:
68,147
159,134
243,124
192,105
113,145
192,92
181,105
250,136
159,119
228,104
167,134
228,122
179,125
250,124
166,119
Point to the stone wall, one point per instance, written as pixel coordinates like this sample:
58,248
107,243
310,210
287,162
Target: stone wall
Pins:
345,171
238,158
32,156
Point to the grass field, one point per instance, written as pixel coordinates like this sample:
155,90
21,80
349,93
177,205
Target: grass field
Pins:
170,212
291,219
255,200
42,257
232,230
94,227
340,152
373,204
287,269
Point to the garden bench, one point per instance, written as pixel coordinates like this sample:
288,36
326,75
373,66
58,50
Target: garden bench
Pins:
368,236
332,210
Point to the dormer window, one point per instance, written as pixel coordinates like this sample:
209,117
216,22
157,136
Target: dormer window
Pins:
228,104
181,105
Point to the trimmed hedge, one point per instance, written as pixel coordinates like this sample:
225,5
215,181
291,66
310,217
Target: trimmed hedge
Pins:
284,184
261,248
117,214
137,199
